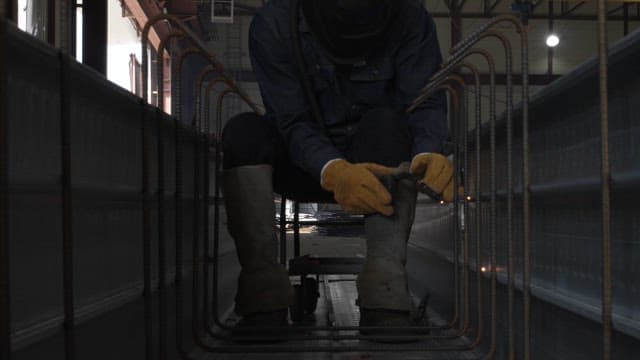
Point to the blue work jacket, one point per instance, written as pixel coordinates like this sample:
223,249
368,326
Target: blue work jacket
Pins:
391,77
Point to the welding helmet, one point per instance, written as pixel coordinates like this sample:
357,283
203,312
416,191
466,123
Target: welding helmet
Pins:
350,29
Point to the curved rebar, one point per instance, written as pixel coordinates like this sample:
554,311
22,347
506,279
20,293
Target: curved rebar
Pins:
200,79
207,137
177,99
176,96
478,113
493,190
457,125
509,114
196,42
160,66
526,181
206,109
232,90
221,97
162,253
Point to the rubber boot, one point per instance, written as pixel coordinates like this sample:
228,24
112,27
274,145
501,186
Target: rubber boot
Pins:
264,291
383,289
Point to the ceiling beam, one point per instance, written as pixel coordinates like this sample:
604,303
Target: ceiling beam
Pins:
245,75
572,9
501,79
615,10
585,17
488,12
536,4
494,6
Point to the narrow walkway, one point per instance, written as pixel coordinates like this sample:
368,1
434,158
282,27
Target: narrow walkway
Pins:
337,306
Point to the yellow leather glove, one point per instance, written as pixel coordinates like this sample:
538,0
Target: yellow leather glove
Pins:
436,172
356,187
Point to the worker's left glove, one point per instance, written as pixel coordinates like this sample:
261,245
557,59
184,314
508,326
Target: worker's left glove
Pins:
435,172
356,187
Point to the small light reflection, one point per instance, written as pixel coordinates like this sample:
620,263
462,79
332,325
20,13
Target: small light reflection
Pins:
483,269
468,198
441,202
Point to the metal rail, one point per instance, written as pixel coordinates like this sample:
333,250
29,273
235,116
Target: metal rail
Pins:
5,313
607,293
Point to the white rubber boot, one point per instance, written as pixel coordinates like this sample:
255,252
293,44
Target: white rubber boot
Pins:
383,290
263,285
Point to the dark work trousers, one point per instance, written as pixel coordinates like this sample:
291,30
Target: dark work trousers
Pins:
380,136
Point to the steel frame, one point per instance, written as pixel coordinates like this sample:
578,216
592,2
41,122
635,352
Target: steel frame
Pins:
221,96
202,139
443,80
198,48
461,82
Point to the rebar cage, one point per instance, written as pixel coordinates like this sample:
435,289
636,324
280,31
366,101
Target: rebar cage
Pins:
484,246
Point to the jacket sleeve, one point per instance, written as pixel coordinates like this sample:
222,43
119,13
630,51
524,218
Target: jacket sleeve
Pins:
417,59
283,96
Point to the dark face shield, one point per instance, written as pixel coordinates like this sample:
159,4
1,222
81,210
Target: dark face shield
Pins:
349,29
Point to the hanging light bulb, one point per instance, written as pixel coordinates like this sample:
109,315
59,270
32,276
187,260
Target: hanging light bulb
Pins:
553,40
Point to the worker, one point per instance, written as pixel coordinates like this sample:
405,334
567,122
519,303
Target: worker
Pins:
336,77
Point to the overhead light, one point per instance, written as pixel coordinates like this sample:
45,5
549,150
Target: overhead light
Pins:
553,40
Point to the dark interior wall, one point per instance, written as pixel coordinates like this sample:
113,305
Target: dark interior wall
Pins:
107,147
94,29
11,10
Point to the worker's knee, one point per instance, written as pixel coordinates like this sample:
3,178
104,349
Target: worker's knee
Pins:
248,139
383,137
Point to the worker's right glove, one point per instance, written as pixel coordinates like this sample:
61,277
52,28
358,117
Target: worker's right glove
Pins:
435,172
356,187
